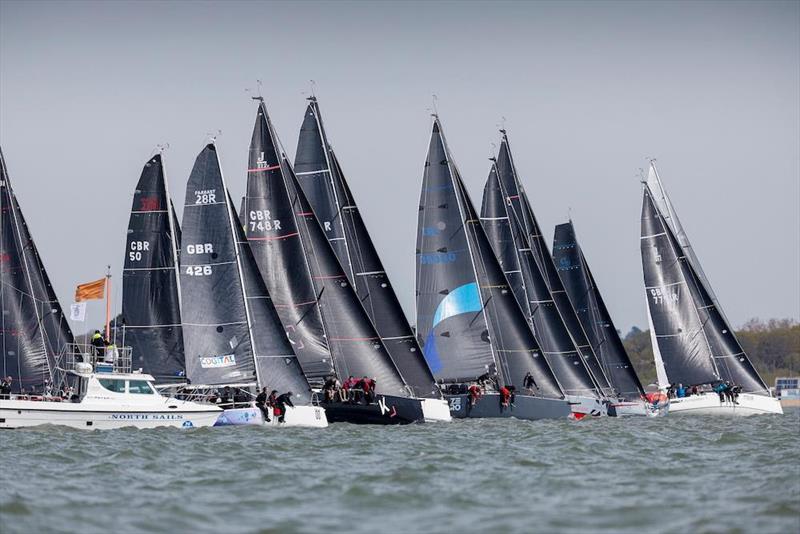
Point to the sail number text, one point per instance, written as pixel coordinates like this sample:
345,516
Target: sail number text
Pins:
262,220
137,247
199,248
661,296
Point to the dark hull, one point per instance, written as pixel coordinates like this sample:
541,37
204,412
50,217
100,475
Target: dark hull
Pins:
524,407
387,410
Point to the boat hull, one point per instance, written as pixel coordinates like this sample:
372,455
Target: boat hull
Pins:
387,410
524,407
299,416
586,406
436,410
638,408
709,404
26,413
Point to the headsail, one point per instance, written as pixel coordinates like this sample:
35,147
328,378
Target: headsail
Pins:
592,312
468,319
328,327
150,283
231,330
507,212
325,186
34,329
722,356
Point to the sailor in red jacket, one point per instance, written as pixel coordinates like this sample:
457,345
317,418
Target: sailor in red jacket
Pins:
505,398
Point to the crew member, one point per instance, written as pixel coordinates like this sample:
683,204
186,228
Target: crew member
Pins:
474,394
5,388
282,402
528,382
261,404
505,398
367,387
98,344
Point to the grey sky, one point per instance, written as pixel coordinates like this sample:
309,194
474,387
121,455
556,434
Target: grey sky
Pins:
588,90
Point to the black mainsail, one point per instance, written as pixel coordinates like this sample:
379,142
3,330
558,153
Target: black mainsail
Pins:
324,184
34,330
592,312
151,305
232,333
468,320
328,327
693,342
516,241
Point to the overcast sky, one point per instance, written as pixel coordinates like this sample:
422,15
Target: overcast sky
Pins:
588,91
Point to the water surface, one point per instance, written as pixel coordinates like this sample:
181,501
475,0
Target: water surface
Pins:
677,474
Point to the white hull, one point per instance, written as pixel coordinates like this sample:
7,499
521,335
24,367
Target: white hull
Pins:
640,408
436,410
709,404
26,413
299,416
583,406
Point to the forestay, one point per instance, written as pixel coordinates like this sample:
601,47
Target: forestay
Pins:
150,283
324,184
34,330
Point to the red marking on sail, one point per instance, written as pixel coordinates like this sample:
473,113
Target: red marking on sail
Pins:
271,238
149,204
305,213
270,168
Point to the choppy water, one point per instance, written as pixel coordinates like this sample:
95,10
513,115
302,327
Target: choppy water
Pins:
690,474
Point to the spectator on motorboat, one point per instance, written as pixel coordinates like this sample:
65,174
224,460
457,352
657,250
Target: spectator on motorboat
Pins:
98,344
261,404
280,405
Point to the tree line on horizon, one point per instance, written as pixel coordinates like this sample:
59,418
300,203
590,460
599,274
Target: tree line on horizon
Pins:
773,346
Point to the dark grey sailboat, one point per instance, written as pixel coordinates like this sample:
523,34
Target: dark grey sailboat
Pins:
151,306
330,332
518,243
468,320
323,182
34,331
232,332
693,343
584,294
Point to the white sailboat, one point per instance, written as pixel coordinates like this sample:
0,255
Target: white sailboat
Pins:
693,342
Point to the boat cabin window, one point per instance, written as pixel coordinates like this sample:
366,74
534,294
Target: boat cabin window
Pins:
117,386
139,387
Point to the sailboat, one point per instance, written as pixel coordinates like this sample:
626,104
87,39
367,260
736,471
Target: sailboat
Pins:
469,323
330,332
232,334
151,305
517,241
693,342
320,175
583,292
54,381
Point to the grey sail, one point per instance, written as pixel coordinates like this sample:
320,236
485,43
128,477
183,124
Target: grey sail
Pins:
330,331
324,184
510,243
591,310
723,357
150,284
468,319
34,330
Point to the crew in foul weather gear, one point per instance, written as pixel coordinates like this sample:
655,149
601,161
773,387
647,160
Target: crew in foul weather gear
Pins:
261,404
5,387
474,394
528,382
505,398
281,403
99,344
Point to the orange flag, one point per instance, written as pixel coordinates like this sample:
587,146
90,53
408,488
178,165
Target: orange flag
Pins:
91,290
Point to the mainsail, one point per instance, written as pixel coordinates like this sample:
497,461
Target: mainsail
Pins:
151,305
231,330
326,323
695,341
326,189
468,319
34,329
519,245
592,312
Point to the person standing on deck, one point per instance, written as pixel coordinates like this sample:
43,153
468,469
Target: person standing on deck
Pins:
98,344
282,402
261,404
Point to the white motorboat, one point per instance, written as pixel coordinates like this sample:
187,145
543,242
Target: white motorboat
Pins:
105,399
